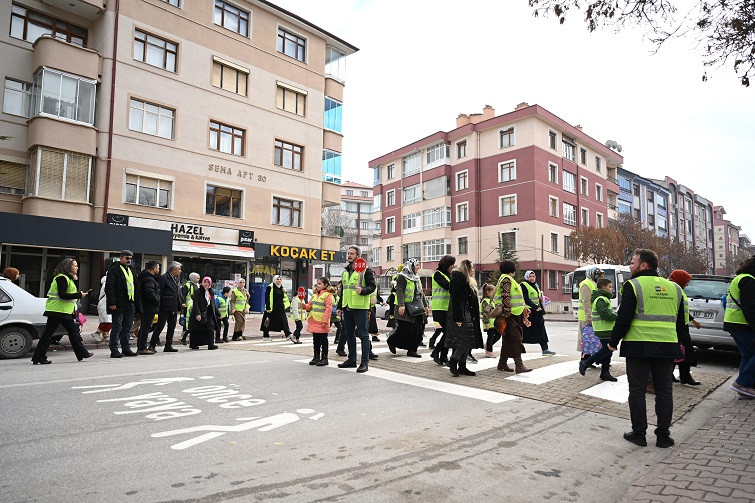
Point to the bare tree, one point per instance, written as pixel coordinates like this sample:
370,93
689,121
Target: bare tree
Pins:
724,29
599,246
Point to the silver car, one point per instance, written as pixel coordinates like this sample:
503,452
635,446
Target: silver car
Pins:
704,293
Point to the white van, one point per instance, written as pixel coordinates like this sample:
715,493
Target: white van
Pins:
618,274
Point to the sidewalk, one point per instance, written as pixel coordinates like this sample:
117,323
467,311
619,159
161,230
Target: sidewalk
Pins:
716,463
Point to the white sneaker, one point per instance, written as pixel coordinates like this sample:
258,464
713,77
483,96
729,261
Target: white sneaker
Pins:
97,336
490,354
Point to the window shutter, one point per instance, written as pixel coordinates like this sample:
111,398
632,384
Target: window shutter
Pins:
217,68
51,174
229,79
12,178
77,176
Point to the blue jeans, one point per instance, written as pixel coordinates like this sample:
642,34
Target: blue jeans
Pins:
122,324
746,344
355,325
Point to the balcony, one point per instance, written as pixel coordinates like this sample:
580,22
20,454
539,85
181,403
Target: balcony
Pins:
88,9
331,243
612,179
331,194
332,141
436,163
71,58
63,135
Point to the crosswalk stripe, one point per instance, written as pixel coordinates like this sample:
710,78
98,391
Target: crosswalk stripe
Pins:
547,374
613,391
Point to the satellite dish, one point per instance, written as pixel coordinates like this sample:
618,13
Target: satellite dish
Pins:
618,148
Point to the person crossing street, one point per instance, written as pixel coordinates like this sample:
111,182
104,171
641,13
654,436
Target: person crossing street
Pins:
353,307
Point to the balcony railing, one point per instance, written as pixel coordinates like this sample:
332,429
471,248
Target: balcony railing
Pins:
613,207
612,179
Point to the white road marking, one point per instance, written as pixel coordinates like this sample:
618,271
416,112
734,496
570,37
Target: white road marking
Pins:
283,342
547,374
613,391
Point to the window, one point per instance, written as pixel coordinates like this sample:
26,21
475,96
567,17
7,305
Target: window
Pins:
231,18
585,216
331,166
462,180
507,206
662,202
569,251
582,156
463,245
599,220
333,115
411,250
411,164
62,95
223,202
174,3
227,139
651,198
507,137
155,51
435,249
554,242
570,182
148,191
390,198
376,202
507,240
636,213
335,63
61,175
662,224
506,171
364,225
598,192
462,212
583,186
229,77
461,149
364,241
651,220
568,150
435,187
552,172
565,287
375,257
287,155
390,171
376,176
624,207
552,139
570,214
13,178
349,192
151,119
436,218
389,253
553,206
412,194
390,225
17,98
437,153
364,193
552,280
287,212
291,100
597,164
291,45
625,185
29,25
412,222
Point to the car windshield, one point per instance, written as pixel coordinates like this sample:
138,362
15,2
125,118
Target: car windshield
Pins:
712,289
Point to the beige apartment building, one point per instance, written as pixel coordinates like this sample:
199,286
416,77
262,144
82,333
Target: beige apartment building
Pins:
210,128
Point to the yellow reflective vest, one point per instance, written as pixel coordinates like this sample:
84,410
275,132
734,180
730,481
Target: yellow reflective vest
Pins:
733,313
658,301
57,305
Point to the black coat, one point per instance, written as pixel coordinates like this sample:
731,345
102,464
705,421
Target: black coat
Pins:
170,297
149,293
277,314
200,306
116,290
464,307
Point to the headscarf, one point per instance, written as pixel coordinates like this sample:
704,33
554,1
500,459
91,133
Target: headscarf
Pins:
594,273
527,275
194,278
410,270
680,277
207,278
275,278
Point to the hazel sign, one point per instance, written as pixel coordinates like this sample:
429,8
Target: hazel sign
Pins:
303,253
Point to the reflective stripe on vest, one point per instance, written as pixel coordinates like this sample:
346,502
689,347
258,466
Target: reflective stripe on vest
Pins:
441,296
599,324
409,290
733,313
533,293
286,303
223,307
351,298
239,303
189,301
57,305
317,312
581,316
656,312
517,298
129,282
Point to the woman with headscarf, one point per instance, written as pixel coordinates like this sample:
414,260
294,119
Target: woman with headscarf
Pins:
408,333
276,303
239,309
682,278
533,298
463,332
203,317
584,313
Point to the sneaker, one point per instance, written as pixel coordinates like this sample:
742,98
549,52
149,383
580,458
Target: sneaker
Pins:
97,336
742,396
742,390
490,354
292,338
548,352
297,341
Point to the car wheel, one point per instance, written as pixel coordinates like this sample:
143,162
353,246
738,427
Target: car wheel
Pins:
15,342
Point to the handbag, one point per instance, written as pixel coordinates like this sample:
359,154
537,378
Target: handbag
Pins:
590,342
415,307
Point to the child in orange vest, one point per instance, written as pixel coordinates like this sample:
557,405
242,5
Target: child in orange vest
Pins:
320,306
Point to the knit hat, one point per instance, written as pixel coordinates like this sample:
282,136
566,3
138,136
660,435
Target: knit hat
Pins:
207,278
680,277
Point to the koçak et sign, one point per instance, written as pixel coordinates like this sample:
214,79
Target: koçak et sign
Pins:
303,253
185,231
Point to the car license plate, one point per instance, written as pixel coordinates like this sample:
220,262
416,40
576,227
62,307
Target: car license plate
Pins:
702,314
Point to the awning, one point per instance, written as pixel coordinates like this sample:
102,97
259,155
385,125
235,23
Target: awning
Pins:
215,250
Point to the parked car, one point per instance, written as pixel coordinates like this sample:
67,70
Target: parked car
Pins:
381,311
704,293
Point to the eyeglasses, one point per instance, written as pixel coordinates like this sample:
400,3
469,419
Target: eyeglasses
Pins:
128,258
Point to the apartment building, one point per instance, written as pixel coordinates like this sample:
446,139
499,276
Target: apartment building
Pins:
646,201
217,123
526,178
356,217
726,237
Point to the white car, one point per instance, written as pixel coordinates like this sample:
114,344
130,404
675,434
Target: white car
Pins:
21,319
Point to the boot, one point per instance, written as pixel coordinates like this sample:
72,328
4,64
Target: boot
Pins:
453,366
432,340
236,336
503,365
316,359
324,360
225,339
519,366
463,370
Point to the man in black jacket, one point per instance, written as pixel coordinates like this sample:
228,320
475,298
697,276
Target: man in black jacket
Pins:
170,306
122,295
353,306
149,304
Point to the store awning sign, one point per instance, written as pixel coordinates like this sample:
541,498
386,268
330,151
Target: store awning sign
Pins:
302,253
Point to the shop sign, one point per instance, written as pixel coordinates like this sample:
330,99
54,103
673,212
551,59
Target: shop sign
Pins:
120,220
264,269
296,252
246,238
185,231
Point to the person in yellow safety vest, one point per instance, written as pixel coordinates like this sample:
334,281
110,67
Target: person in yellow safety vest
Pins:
408,335
320,310
509,302
59,309
336,320
392,298
739,321
584,306
486,307
221,301
276,304
603,318
353,307
122,298
649,322
298,315
239,305
533,298
441,296
187,294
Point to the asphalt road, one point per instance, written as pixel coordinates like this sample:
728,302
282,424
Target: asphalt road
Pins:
212,426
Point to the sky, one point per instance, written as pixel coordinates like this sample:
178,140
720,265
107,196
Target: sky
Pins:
421,63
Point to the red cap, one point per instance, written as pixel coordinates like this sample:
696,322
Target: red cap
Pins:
680,277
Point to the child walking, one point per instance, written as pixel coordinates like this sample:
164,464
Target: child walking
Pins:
221,301
603,319
486,306
298,315
318,323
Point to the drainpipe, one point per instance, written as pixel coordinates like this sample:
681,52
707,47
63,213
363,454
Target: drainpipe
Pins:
112,114
478,197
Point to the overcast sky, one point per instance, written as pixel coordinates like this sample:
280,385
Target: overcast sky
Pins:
422,62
